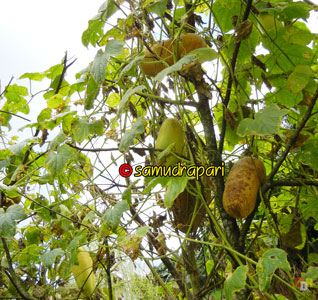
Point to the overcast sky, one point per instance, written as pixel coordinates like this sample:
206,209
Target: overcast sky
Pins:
35,34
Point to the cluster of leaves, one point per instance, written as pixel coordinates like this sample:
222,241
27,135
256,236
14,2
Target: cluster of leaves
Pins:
62,170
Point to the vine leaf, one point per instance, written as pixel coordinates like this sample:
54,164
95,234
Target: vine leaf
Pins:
82,128
49,258
158,7
272,259
91,94
223,10
266,122
8,218
309,153
175,186
126,97
57,161
128,139
204,54
176,67
299,78
94,32
58,140
112,215
235,282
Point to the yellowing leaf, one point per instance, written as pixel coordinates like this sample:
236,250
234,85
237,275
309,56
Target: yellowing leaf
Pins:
267,265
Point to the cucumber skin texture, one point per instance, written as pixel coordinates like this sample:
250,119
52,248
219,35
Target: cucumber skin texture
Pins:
84,270
171,132
242,185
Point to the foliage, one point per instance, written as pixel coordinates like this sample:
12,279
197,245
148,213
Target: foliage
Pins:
252,92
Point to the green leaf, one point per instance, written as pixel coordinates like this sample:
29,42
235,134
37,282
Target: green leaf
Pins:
295,35
56,162
58,140
124,100
267,121
93,33
285,97
223,10
107,9
209,265
48,258
54,71
114,48
7,225
158,7
5,154
128,139
15,92
96,127
295,10
298,80
32,235
16,212
18,148
142,231
312,273
130,66
33,76
55,101
45,114
272,259
82,128
235,282
8,218
127,195
175,186
176,67
204,54
309,153
112,215
113,100
99,66
92,92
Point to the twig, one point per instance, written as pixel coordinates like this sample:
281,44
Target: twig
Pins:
291,142
231,77
5,89
108,149
11,274
158,278
56,212
108,267
15,115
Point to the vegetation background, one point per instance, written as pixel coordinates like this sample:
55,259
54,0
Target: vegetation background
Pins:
251,92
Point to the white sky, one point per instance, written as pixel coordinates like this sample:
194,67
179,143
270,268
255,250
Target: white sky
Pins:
34,35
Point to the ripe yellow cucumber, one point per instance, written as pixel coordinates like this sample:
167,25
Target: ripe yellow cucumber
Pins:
84,277
170,132
242,185
163,50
